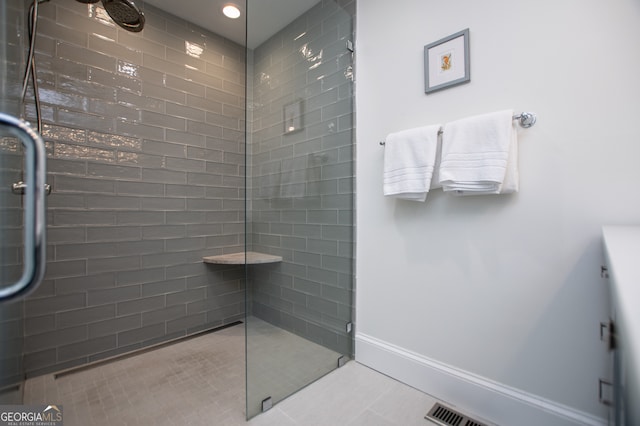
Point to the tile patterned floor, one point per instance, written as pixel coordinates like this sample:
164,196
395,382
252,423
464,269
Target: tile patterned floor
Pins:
186,383
201,381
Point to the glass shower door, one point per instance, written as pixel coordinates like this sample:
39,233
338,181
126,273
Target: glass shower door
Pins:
11,314
300,187
22,242
12,14
22,203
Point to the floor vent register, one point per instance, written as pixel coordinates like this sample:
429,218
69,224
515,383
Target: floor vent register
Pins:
445,416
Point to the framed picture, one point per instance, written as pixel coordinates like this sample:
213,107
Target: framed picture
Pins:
293,117
446,62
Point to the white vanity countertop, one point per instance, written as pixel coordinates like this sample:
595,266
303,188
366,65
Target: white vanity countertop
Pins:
622,247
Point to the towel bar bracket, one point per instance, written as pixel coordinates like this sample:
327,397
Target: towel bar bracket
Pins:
527,119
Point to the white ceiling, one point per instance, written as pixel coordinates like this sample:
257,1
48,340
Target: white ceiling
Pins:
265,17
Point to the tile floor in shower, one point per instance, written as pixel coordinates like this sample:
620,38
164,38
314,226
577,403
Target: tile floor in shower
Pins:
201,381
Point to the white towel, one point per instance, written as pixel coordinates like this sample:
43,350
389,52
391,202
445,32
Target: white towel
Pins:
480,155
409,161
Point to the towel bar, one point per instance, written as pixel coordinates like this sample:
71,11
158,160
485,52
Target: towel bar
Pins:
525,119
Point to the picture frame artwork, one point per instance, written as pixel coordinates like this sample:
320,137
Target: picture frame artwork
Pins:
292,117
446,62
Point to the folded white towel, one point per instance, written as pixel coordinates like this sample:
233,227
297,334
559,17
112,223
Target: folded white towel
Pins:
409,161
479,155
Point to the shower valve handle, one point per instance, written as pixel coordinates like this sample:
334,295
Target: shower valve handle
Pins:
19,188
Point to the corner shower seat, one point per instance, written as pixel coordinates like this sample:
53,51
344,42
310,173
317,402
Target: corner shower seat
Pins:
252,258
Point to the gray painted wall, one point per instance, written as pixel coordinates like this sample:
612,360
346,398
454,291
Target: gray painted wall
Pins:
302,183
145,139
504,288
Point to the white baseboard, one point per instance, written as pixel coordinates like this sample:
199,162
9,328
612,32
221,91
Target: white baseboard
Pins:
474,395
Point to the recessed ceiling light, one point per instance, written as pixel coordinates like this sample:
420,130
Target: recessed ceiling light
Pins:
231,11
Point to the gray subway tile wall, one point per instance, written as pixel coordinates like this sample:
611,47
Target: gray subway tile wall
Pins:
146,160
302,183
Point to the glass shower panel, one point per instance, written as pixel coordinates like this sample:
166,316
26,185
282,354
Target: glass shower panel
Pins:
300,198
11,314
12,44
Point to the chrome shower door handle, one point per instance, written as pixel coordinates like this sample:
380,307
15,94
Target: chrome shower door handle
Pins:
34,208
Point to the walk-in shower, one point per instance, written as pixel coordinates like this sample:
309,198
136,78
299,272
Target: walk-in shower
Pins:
167,146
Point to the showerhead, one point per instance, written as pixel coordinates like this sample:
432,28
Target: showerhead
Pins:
124,13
